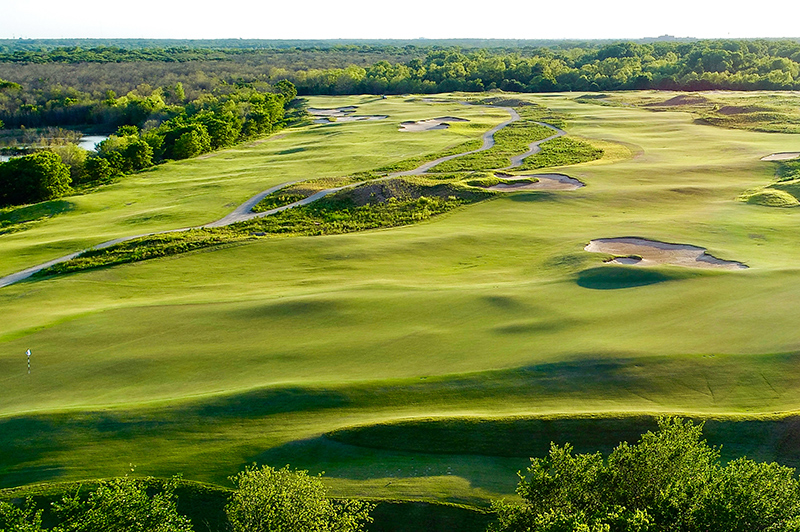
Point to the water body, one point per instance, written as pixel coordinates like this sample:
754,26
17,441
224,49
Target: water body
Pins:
88,143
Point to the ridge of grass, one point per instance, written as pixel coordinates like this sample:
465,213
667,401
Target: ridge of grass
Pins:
401,201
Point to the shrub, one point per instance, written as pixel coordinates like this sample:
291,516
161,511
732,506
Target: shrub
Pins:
670,481
33,178
268,499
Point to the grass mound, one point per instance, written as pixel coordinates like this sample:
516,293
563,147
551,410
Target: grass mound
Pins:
511,437
372,205
562,151
770,197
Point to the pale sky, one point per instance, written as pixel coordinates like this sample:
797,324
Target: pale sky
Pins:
399,19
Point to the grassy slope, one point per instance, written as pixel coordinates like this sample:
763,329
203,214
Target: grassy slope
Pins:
490,310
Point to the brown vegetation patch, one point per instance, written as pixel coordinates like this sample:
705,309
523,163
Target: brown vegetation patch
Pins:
682,99
738,110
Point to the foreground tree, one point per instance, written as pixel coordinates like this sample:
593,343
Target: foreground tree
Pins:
16,519
122,505
280,500
33,178
670,481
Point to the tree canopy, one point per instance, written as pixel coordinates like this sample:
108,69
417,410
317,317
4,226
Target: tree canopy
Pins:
37,177
670,481
273,500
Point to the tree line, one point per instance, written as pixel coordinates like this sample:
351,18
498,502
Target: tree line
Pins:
152,131
376,69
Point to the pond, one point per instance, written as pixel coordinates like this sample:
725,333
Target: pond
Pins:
88,143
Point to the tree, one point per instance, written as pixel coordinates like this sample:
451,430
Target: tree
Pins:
192,143
24,519
97,170
122,505
37,177
287,89
670,481
272,500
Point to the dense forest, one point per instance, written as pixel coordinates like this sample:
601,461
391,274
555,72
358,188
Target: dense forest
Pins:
70,86
82,75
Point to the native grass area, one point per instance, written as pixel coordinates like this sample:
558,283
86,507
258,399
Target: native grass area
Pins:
426,361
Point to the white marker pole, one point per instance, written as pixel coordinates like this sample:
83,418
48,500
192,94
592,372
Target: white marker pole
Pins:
29,361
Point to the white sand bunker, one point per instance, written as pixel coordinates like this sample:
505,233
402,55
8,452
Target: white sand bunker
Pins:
782,156
545,182
340,114
643,252
431,123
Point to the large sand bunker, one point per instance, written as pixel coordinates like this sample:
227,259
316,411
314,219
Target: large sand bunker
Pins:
782,156
340,114
431,123
643,252
544,182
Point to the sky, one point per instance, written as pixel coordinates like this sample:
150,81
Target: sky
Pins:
401,19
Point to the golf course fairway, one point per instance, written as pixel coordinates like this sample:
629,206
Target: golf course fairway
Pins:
424,362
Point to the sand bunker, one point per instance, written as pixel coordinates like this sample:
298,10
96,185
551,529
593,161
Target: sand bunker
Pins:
340,114
337,112
431,123
643,252
782,156
545,182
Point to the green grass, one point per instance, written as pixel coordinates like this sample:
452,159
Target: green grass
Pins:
562,151
509,141
278,199
14,219
198,191
389,203
488,317
773,112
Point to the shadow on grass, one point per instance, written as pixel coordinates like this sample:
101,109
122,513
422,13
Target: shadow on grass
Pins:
617,277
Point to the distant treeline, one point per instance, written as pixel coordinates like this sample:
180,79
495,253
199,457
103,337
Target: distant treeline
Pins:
63,86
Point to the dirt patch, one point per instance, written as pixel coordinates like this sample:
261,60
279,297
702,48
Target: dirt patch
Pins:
644,252
729,110
680,100
431,123
543,182
782,156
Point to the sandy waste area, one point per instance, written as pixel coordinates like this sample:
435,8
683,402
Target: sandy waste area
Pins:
430,123
643,252
340,114
545,182
782,156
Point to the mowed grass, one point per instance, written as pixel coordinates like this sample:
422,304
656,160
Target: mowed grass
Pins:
204,362
198,191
